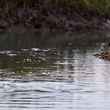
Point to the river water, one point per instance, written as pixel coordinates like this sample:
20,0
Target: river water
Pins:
54,79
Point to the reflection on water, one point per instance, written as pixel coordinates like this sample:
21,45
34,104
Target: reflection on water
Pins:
52,79
11,40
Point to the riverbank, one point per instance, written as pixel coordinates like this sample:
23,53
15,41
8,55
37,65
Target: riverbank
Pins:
52,16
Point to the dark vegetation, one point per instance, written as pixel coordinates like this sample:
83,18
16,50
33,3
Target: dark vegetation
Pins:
67,15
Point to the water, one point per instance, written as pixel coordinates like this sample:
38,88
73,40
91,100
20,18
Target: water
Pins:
54,79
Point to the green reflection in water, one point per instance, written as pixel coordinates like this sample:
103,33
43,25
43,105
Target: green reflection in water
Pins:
22,63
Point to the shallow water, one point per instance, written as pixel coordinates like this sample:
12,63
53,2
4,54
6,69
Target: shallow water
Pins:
53,79
61,73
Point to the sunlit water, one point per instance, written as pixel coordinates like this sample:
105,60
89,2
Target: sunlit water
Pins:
69,79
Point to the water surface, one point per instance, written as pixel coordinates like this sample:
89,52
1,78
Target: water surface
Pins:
54,79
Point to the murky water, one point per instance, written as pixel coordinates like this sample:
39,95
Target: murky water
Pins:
54,79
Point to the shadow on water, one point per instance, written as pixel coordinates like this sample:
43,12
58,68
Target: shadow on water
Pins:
15,41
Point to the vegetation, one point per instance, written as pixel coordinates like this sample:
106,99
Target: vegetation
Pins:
52,13
102,6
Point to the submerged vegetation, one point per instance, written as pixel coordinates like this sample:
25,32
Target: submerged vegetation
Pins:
53,14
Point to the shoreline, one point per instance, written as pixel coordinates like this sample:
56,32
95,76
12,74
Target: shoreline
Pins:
75,27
